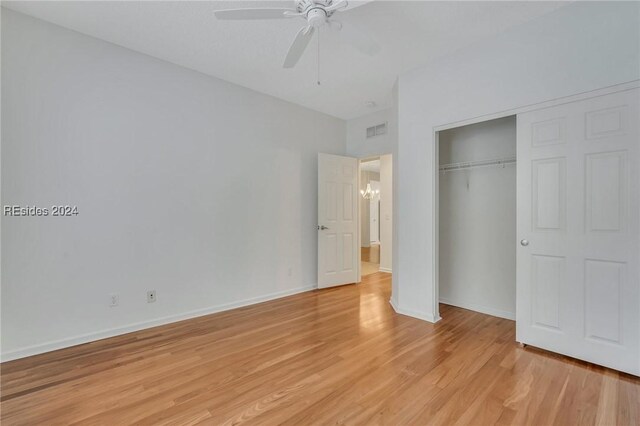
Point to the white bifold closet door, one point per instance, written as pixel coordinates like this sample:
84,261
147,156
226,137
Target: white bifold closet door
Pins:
579,229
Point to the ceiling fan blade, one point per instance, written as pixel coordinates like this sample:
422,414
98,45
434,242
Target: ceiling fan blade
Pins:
358,39
340,4
298,46
241,14
334,25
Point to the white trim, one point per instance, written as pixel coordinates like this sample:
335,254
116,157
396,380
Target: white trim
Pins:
388,270
415,314
392,303
435,243
480,308
630,85
359,233
112,332
546,104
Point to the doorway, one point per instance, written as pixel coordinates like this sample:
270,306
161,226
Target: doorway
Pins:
345,219
375,214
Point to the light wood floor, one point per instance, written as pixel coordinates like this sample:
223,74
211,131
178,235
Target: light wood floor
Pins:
368,268
370,259
324,357
371,253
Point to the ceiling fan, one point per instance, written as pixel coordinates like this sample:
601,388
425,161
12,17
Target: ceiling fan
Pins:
317,14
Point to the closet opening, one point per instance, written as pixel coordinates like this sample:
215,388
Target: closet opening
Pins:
477,218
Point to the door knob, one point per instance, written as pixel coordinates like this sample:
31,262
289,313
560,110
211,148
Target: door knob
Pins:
322,228
524,243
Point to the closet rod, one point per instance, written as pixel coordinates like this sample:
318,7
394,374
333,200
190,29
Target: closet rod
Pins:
479,163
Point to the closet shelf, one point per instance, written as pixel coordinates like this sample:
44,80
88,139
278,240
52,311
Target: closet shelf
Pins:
475,164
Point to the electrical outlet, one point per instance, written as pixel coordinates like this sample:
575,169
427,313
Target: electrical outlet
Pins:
114,300
290,271
151,296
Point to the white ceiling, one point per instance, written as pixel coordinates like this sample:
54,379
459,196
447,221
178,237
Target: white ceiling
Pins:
411,33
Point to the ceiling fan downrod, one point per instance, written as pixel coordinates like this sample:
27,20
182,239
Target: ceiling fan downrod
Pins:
318,56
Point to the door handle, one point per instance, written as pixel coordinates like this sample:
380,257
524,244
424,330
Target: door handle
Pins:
524,243
322,227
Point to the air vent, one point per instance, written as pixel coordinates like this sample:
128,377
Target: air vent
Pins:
378,130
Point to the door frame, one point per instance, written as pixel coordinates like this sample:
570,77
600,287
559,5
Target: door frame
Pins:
487,117
375,212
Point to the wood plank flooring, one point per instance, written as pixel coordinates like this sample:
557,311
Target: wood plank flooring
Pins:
336,356
370,259
371,253
368,268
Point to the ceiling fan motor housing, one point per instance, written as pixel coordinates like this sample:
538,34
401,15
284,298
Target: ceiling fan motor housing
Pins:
304,5
315,11
316,17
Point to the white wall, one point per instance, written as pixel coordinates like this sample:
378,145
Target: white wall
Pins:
477,226
581,47
386,212
166,166
486,140
358,145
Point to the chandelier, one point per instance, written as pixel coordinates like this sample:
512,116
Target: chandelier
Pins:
369,193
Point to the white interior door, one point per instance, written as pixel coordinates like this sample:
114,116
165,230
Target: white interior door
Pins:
337,220
578,221
374,213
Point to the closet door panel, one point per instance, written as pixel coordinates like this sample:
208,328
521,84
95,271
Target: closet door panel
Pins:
578,290
549,194
547,279
606,194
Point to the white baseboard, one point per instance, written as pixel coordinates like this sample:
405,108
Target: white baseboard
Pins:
393,304
381,269
112,332
415,314
480,308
